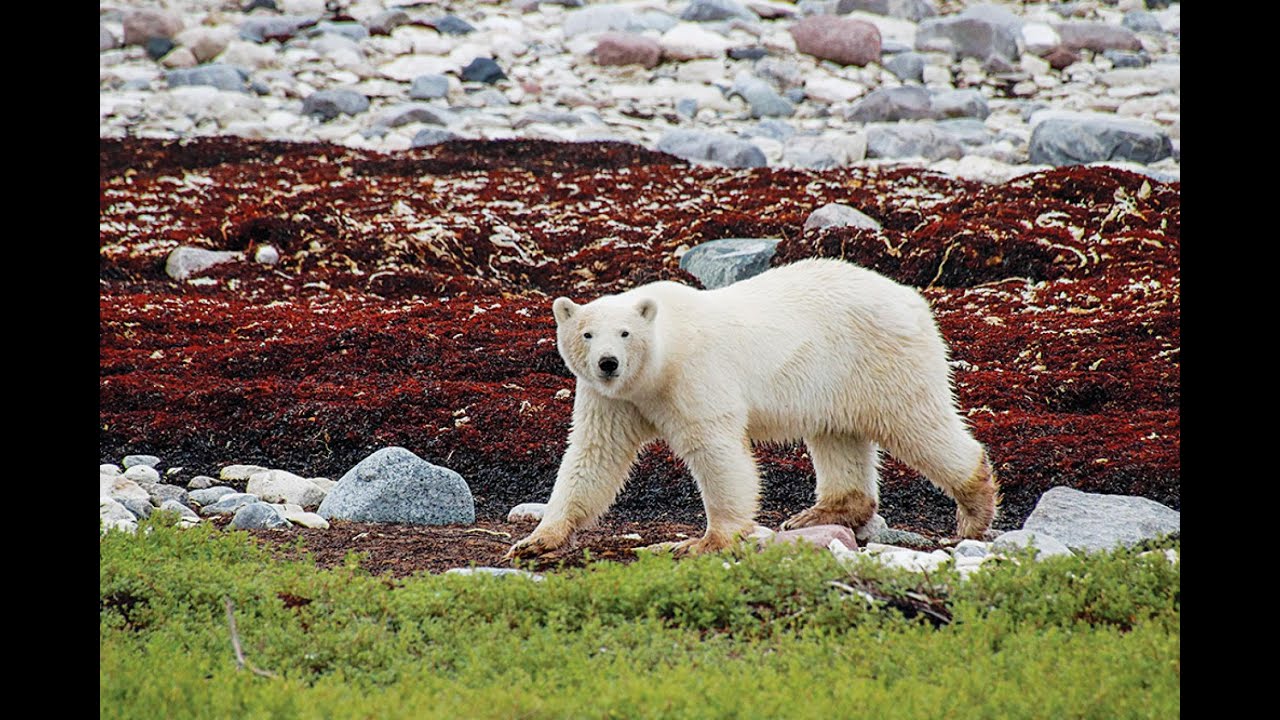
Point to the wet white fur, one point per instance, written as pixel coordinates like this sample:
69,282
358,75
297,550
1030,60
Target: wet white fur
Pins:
820,350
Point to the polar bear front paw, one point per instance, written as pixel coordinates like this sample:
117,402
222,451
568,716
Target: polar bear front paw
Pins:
532,547
702,545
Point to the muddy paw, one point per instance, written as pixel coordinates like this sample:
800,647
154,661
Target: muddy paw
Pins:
699,546
530,547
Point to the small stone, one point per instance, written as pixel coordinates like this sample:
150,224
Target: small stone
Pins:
686,107
141,509
907,102
904,538
386,21
824,152
747,53
179,58
483,70
1097,36
1047,545
206,43
840,40
223,77
201,482
908,66
261,28
306,519
723,262
527,512
494,572
452,25
109,469
1141,21
971,549
119,487
1094,521
284,487
394,485
606,17
837,215
143,25
208,496
158,47
959,103
763,99
967,35
160,492
180,508
416,112
258,516
116,516
819,535
142,474
913,10
688,41
185,261
911,140
350,30
432,136
713,147
266,255
429,87
106,40
710,10
227,504
133,460
914,560
329,104
1062,57
772,129
626,49
1040,38
1122,59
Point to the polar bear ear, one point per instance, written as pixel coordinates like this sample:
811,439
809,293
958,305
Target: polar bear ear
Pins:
647,308
564,308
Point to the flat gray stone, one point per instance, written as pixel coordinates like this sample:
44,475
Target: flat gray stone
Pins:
353,31
904,538
1141,21
228,504
1092,521
773,129
261,28
395,486
603,18
971,548
913,10
329,104
218,75
970,131
1046,544
904,140
185,261
148,460
429,87
967,36
1080,140
414,112
837,215
711,10
258,516
1097,36
760,95
386,21
712,147
907,66
959,104
723,262
233,473
208,496
432,136
201,482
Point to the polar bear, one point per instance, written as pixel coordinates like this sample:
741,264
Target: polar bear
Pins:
820,350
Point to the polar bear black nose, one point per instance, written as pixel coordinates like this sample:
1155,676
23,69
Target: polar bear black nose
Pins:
608,364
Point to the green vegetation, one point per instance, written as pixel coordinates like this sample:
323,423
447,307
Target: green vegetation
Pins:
754,635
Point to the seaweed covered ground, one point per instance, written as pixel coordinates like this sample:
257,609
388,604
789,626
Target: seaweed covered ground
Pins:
411,307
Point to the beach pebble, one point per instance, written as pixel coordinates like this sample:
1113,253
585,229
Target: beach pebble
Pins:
133,460
626,49
208,496
329,104
713,147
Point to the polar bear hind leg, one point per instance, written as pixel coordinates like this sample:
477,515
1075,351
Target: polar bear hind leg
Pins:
848,482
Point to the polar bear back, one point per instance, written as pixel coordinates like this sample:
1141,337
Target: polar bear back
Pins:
816,346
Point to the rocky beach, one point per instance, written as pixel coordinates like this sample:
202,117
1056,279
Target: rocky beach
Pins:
330,235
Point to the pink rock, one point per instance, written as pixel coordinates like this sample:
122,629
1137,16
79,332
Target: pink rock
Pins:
142,25
820,535
626,49
848,42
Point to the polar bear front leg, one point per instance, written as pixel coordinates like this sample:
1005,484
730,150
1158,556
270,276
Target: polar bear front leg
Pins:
607,435
724,468
848,489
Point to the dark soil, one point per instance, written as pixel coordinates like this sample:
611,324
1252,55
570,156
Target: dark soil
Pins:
412,302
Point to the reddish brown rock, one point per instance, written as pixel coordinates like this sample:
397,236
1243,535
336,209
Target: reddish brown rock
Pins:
1062,57
841,40
626,49
142,25
1097,36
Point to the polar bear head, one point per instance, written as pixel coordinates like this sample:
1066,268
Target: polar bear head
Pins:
608,343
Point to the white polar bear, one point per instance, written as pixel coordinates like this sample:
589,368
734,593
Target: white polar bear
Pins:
819,350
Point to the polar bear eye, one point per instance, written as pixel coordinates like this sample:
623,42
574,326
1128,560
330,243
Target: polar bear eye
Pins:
626,333
586,335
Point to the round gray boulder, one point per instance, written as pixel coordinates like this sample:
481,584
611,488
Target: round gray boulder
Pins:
723,262
395,486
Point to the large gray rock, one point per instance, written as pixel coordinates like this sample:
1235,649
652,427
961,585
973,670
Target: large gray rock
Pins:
970,131
141,509
904,140
142,474
968,35
603,18
258,516
723,262
1092,521
913,10
432,136
1141,21
393,485
824,152
887,104
710,10
185,261
760,95
223,77
959,103
429,87
148,460
1045,544
837,215
329,104
712,147
1080,139
183,511
907,66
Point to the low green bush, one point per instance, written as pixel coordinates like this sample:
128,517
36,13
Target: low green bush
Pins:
783,633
